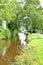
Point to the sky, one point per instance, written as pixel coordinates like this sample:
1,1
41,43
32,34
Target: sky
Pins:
20,0
41,2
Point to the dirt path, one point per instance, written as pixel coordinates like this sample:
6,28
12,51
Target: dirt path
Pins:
40,35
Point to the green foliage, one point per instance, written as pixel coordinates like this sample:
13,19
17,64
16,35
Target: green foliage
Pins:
7,10
15,34
34,20
4,33
15,15
7,33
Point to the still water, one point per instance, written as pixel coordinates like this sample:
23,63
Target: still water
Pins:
13,48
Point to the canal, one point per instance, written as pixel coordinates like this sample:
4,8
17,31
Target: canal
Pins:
13,48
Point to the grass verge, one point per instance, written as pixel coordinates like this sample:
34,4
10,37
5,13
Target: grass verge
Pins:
32,54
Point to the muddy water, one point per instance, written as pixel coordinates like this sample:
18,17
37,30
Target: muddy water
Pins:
13,49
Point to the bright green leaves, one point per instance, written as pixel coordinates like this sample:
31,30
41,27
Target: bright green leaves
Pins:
7,10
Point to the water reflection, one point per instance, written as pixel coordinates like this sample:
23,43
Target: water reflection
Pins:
13,48
4,52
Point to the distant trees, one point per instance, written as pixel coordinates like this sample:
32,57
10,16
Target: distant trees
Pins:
35,15
17,14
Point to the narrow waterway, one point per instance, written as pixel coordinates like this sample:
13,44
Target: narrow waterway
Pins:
13,48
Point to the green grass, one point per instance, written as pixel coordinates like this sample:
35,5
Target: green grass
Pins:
32,54
37,44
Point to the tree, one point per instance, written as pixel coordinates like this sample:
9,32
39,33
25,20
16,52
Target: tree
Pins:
16,14
34,12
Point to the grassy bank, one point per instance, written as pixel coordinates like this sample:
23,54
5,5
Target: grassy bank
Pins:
32,53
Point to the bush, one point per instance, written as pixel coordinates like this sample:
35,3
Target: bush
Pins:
4,33
7,33
15,33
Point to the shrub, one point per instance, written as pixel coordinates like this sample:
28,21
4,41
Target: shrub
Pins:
4,33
